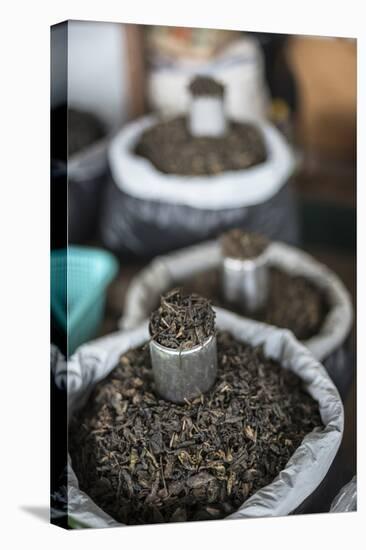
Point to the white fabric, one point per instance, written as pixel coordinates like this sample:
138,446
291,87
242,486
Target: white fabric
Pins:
167,271
137,176
306,468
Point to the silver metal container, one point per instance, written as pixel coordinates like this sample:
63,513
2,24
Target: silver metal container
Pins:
207,116
184,374
245,283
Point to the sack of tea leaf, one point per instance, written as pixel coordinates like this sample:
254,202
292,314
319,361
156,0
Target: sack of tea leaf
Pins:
307,298
182,180
109,379
237,62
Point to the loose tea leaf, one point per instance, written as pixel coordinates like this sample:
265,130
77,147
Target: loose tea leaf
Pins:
243,245
173,150
182,321
294,302
144,460
206,86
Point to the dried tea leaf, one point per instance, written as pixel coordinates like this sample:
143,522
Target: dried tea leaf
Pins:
134,458
182,321
178,515
170,147
251,434
241,244
199,480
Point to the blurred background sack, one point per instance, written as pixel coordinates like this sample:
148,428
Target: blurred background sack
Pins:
176,55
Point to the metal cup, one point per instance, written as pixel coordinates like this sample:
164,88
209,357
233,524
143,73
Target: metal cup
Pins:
246,282
181,375
207,116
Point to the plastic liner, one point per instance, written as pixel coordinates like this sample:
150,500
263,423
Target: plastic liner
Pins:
329,346
147,212
346,500
304,471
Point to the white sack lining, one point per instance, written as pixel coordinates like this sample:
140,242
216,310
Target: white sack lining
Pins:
139,178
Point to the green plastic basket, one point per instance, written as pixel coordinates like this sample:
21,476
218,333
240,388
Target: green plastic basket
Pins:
79,280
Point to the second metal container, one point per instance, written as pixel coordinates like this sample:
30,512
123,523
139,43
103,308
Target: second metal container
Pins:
246,282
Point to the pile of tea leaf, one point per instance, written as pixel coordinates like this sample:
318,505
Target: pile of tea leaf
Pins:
170,147
243,245
294,302
182,321
145,460
203,85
